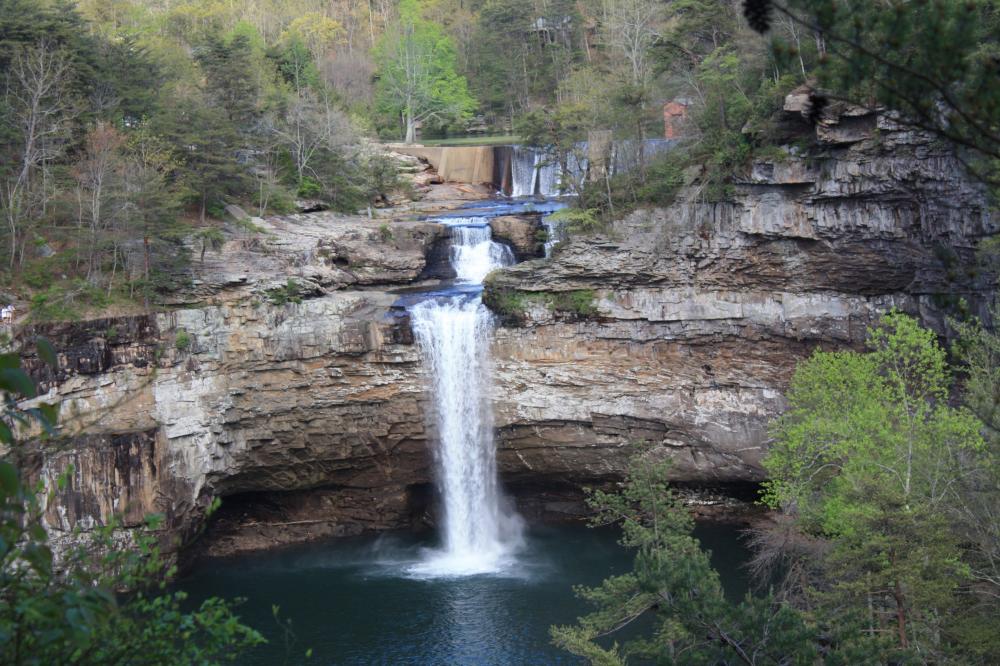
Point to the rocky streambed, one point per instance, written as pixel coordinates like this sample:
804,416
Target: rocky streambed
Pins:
285,381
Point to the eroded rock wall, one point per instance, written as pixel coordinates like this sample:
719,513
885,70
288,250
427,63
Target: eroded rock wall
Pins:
286,381
681,327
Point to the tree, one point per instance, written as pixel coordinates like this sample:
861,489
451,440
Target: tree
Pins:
976,514
39,114
632,28
151,201
869,458
673,583
228,85
417,77
297,65
206,143
98,174
320,33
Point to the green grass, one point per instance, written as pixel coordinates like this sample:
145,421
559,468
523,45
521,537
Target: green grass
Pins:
486,140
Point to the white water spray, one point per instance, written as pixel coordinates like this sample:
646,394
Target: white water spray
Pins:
453,331
524,172
554,234
473,252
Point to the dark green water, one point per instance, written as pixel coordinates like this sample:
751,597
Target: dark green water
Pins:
353,601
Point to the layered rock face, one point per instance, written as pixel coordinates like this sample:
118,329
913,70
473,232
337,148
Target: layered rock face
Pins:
681,327
286,382
298,375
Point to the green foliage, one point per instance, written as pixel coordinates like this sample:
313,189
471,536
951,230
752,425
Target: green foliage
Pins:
226,64
296,64
210,238
867,457
66,300
418,79
384,233
930,61
205,140
182,340
579,220
656,185
310,187
513,66
152,115
974,517
379,177
101,605
290,292
513,304
559,129
580,302
676,595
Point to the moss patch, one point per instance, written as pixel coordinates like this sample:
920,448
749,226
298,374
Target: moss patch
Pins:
512,304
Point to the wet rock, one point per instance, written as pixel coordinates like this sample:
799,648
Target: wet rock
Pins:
521,233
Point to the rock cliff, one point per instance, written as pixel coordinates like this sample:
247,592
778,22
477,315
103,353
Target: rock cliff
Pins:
286,382
681,326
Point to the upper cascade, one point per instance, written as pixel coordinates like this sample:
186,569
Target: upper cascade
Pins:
473,251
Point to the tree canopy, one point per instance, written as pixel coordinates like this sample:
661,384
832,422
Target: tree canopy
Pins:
418,80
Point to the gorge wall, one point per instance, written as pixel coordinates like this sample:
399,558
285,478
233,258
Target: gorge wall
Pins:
303,407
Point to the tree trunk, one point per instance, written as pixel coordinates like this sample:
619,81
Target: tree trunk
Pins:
145,251
411,129
900,599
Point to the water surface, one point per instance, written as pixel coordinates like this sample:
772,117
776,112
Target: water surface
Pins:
358,601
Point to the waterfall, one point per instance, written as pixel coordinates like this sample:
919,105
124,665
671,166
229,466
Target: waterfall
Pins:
554,233
473,253
524,175
535,171
453,331
548,177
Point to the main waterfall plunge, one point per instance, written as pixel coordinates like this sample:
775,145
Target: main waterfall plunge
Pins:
480,533
482,590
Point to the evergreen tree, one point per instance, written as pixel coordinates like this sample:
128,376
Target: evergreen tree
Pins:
674,591
205,141
228,85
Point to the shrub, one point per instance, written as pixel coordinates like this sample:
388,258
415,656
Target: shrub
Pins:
310,188
512,304
216,210
290,292
63,300
655,185
579,302
579,220
182,341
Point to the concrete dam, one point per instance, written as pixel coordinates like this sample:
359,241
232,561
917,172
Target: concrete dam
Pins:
524,171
